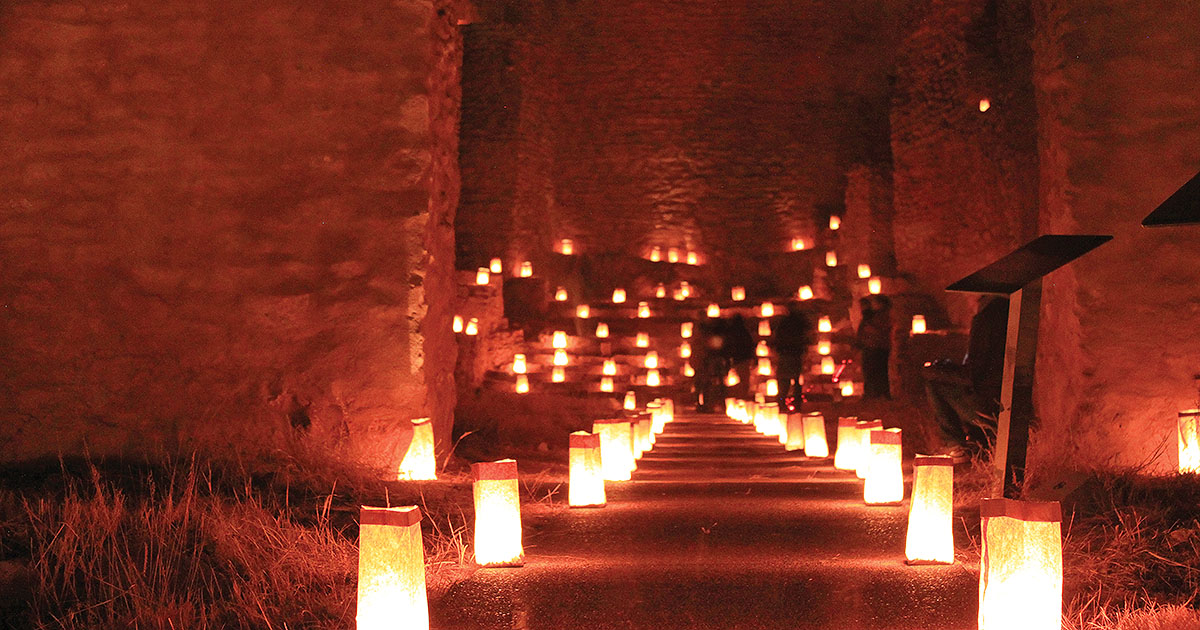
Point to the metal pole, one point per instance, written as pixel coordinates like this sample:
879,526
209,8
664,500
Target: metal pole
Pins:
1016,393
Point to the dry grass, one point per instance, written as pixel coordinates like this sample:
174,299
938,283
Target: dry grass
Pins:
192,545
1151,618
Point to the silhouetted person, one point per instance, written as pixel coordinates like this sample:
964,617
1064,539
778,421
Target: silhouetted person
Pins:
875,343
710,363
739,349
790,339
966,396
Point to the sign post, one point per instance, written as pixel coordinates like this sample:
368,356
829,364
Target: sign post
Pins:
1019,277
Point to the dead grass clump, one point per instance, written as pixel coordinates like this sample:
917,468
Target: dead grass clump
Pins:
192,545
1152,618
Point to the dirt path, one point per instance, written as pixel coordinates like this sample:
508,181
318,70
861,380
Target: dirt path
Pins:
720,528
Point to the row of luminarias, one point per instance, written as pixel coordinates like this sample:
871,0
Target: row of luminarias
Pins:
391,568
1021,565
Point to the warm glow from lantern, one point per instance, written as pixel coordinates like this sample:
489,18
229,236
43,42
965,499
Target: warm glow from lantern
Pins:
566,246
827,365
419,462
761,350
824,347
847,388
519,366
984,104
685,350
685,330
930,538
688,370
482,276
814,435
884,483
660,291
457,325
864,428
692,258
767,309
630,402
864,271
643,309
830,258
672,255
610,367
522,384
526,269
772,387
583,311
651,360
497,514
713,310
764,328
559,340
391,569
472,327
606,384
848,444
586,481
825,324
653,379
616,447
835,222
795,432
875,286
805,293
731,378
685,289
618,296
560,357
558,374
764,366
602,330
642,340
1188,430
496,266
1020,569
798,244
560,295
918,324
655,254
737,293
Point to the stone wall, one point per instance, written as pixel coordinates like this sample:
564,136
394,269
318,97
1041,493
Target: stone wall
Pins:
965,180
720,126
223,225
1119,132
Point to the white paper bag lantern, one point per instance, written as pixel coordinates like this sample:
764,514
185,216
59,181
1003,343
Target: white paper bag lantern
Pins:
391,569
688,370
827,365
560,357
798,244
606,384
805,293
457,324
497,514
864,428
586,482
419,462
672,255
848,444
526,269
762,349
918,325
583,311
824,347
772,387
864,271
764,367
660,290
884,484
558,374
643,310
686,329
930,538
1188,430
610,367
795,432
766,310
560,295
616,448
656,254
566,246
713,310
1020,571
482,276
685,350
835,222
875,286
692,258
831,258
522,386
651,360
737,294
642,340
472,328
814,435
618,296
764,328
558,339
630,402
601,330
824,324
731,378
653,378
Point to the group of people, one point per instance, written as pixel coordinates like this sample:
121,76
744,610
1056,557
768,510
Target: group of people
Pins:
964,394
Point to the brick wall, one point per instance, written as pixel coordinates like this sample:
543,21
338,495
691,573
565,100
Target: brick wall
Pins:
720,126
965,181
1119,132
217,227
